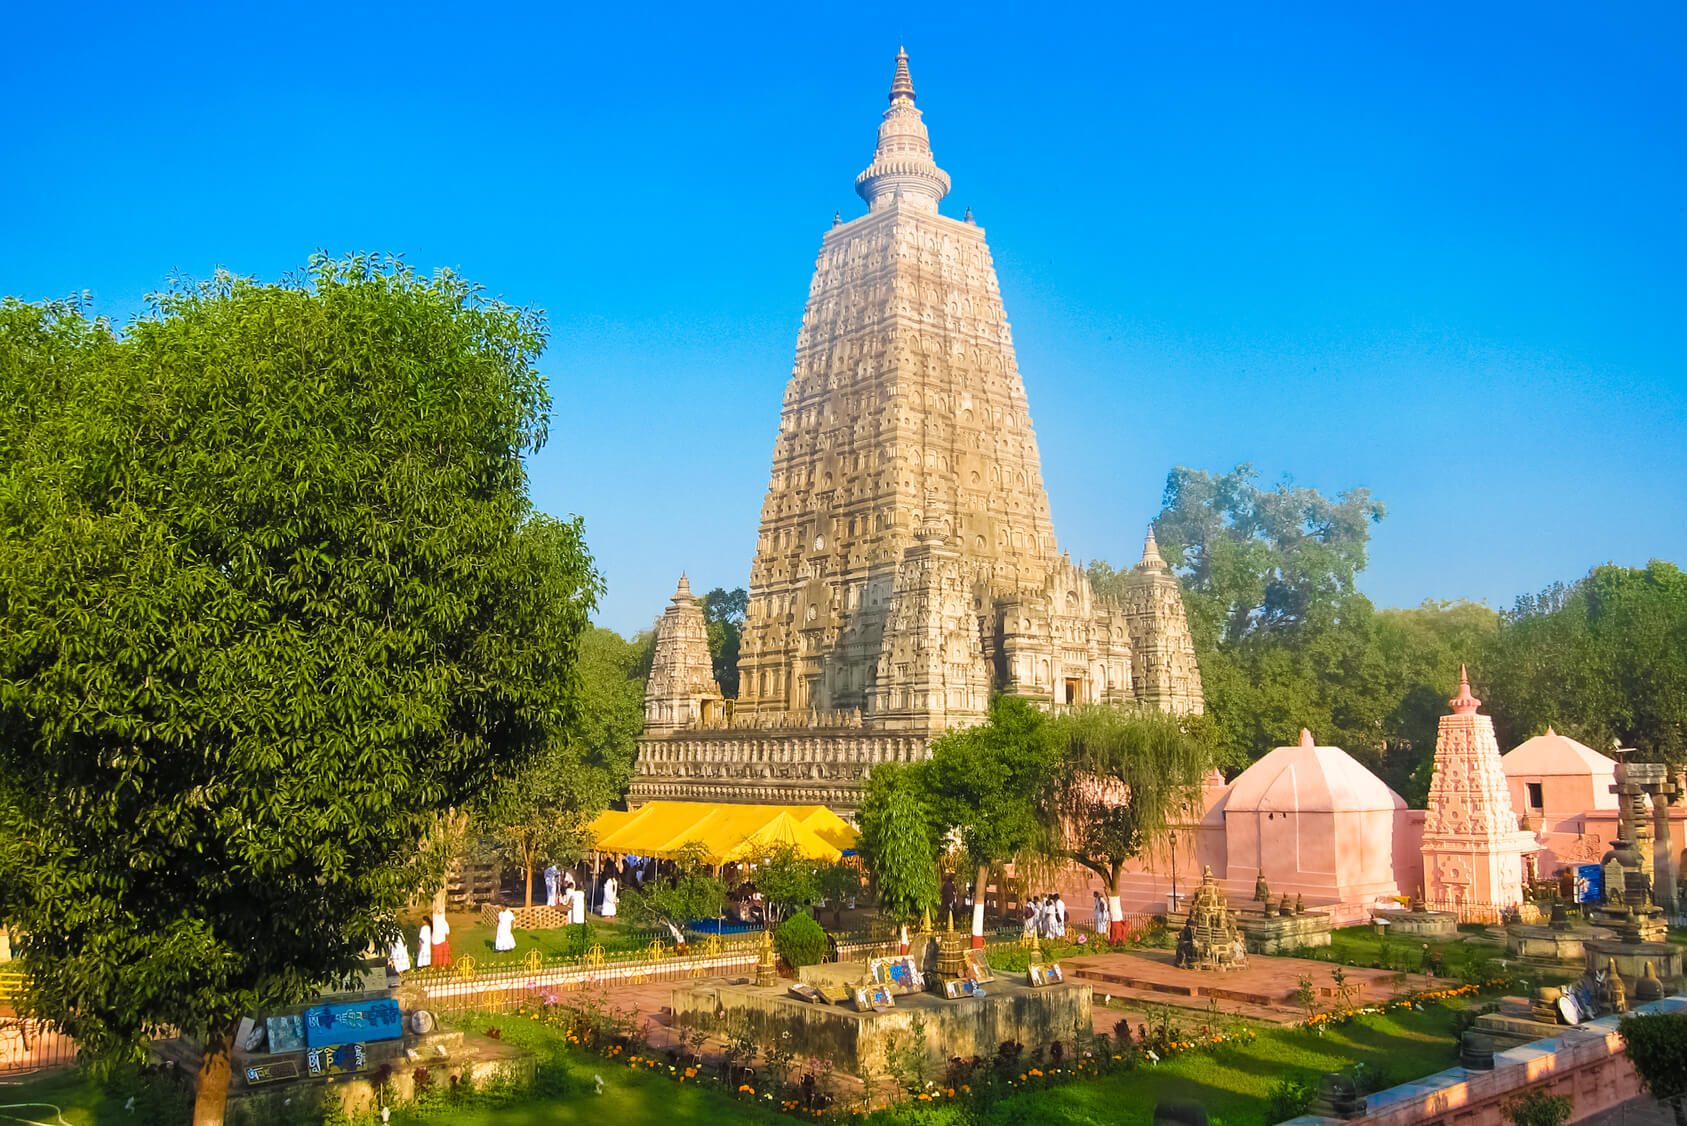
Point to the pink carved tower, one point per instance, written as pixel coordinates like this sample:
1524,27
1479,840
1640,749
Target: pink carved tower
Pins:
1472,847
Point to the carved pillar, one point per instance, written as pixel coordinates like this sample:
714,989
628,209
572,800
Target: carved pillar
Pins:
1665,875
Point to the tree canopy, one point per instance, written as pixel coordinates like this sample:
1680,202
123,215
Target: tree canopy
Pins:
272,598
723,618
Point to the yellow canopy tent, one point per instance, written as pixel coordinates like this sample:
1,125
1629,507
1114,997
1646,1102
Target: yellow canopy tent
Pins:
725,830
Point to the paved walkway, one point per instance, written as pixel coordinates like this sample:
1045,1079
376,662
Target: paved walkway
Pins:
1264,990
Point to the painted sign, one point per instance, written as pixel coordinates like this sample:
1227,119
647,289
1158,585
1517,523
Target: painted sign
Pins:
359,1021
336,1060
1590,883
272,1071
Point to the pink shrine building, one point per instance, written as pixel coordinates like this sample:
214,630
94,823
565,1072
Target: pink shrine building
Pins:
1473,842
1315,823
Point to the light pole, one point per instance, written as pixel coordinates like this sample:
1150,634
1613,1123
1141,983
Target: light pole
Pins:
1172,835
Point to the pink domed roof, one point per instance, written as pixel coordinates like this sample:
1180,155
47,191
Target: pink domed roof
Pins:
1553,753
1310,779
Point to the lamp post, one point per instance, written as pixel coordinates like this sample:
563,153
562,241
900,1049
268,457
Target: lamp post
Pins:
1172,835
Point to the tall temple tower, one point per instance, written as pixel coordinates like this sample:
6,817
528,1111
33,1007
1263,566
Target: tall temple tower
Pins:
906,562
1473,848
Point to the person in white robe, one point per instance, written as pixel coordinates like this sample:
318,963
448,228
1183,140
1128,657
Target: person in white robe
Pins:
553,884
1059,917
399,956
424,947
577,907
505,938
611,897
1100,914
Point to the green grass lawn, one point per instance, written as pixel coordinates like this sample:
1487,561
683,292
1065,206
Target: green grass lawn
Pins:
1232,1082
82,1102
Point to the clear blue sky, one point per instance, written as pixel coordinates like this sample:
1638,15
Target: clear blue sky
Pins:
1436,250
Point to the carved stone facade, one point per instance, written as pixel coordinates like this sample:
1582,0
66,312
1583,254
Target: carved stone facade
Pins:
1473,848
906,562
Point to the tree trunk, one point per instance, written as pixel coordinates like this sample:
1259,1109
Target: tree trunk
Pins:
211,1095
528,897
1115,910
978,906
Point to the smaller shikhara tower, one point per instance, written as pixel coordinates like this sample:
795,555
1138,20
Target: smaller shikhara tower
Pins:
906,564
1473,848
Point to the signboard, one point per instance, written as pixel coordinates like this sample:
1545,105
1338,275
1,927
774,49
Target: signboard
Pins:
272,1071
1590,883
335,1060
359,1021
1646,773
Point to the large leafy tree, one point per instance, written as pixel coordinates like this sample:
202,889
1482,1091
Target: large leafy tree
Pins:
723,618
272,599
899,845
1121,780
1656,1044
983,785
1604,660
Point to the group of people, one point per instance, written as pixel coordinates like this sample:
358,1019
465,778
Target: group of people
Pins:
575,889
433,946
1045,916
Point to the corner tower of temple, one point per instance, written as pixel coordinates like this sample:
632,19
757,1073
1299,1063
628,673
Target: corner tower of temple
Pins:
905,562
1473,848
681,691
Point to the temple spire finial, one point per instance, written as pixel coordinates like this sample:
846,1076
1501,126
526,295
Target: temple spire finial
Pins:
1464,703
902,171
902,83
1151,552
1306,738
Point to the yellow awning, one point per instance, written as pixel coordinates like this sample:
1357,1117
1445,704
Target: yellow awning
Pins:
725,830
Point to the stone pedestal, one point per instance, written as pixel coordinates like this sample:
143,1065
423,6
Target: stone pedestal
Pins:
1631,958
1284,934
1421,924
1551,944
852,1040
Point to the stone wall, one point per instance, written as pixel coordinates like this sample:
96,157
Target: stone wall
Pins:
1587,1063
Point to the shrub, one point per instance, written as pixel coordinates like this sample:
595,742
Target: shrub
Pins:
1288,1099
800,940
1537,1108
1657,1046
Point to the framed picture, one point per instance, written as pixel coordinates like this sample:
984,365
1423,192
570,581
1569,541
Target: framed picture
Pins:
802,991
1044,973
900,974
955,988
285,1034
978,966
874,997
335,1059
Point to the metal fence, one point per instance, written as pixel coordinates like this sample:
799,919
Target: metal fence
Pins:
28,1046
467,986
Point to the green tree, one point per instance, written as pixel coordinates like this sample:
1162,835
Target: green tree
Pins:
1122,778
1537,1108
1656,1044
897,842
1603,660
787,880
688,892
272,599
983,784
723,617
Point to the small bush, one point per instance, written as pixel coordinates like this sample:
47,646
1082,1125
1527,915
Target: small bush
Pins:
1537,1108
1288,1099
800,940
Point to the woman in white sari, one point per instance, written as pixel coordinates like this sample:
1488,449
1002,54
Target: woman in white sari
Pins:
611,897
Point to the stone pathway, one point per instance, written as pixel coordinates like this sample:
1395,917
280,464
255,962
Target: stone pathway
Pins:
1263,990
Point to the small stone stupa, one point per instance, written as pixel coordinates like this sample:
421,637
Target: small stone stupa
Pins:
1472,847
1210,939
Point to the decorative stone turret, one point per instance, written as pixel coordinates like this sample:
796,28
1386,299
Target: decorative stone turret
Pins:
1210,939
1472,848
1163,669
682,691
902,169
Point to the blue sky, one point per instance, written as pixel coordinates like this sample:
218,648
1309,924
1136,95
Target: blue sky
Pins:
1435,250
